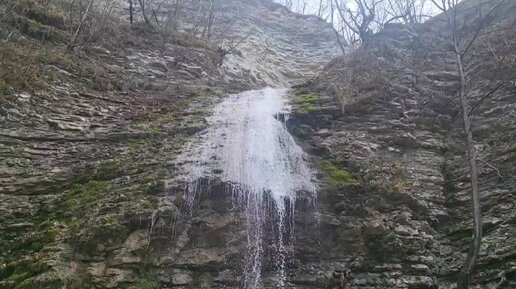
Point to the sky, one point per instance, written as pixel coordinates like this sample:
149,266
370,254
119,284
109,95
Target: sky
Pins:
313,5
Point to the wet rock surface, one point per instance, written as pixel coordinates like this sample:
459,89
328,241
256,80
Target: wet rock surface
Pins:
386,116
91,196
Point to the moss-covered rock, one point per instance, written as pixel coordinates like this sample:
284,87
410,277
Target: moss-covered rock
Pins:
338,176
307,101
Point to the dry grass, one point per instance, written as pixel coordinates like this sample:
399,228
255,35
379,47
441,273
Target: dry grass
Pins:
21,64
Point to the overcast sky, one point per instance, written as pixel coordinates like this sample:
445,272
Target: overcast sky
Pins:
313,5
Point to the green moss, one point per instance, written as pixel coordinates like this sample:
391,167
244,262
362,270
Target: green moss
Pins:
493,242
311,108
42,282
400,186
307,101
337,175
156,187
15,245
158,123
86,196
4,89
28,255
18,271
147,284
306,98
137,144
143,282
73,276
109,170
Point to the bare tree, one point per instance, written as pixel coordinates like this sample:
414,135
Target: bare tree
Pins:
363,17
298,6
143,8
73,40
320,10
288,4
360,19
231,46
131,11
171,23
334,25
449,10
176,21
406,11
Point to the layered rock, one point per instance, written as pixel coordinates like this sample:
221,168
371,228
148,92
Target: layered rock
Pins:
90,193
89,143
385,117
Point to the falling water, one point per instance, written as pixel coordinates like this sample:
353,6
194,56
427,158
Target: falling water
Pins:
248,142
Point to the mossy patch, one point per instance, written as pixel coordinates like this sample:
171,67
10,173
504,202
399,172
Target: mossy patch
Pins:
400,186
137,144
310,108
339,176
4,89
144,282
18,271
109,170
493,243
84,197
158,124
156,188
307,102
306,98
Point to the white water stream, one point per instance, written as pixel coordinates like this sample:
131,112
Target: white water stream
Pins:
247,141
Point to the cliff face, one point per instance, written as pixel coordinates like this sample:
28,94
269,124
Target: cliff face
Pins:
387,117
278,47
94,149
90,140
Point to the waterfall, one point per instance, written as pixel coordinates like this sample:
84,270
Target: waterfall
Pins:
248,143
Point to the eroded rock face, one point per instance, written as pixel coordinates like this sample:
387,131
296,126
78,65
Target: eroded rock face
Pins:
278,47
88,194
89,197
383,115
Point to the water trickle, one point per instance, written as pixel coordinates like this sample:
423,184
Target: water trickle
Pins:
248,142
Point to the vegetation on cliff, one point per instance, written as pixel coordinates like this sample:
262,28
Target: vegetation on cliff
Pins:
98,98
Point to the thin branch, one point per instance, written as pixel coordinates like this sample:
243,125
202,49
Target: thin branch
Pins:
491,166
491,92
480,26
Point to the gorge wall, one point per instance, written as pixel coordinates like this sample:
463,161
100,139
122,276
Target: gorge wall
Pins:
383,126
98,150
91,189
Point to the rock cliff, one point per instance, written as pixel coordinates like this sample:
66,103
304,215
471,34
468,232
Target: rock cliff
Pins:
383,126
90,140
93,146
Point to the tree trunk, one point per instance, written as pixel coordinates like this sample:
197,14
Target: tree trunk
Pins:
73,40
145,18
337,34
177,16
131,11
464,276
210,20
